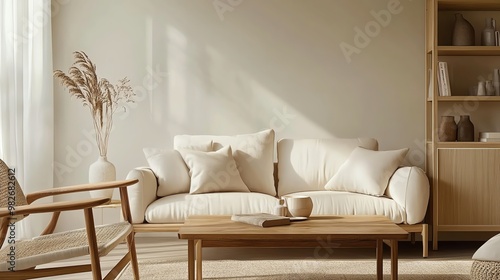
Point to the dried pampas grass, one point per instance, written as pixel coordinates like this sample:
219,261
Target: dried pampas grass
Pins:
99,95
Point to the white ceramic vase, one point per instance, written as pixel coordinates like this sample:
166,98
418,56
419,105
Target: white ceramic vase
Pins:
488,34
481,88
496,81
102,171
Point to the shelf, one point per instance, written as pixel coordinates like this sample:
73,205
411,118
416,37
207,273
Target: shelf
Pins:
468,50
468,98
468,5
468,145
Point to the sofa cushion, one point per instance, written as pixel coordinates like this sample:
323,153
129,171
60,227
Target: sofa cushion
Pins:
170,169
168,166
253,153
176,208
347,203
366,171
489,251
213,171
308,164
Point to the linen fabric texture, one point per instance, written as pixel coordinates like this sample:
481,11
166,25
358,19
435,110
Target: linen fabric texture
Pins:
489,251
213,171
170,169
367,171
308,164
253,153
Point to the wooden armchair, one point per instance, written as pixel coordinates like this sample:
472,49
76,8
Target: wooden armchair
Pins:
19,258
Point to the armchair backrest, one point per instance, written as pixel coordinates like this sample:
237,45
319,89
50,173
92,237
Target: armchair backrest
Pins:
11,193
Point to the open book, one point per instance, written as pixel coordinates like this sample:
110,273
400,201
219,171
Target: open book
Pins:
261,219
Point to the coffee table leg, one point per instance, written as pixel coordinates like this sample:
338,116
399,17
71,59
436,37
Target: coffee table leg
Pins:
394,259
191,259
380,259
199,258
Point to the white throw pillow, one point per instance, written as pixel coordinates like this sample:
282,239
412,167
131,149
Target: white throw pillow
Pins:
366,171
253,153
213,171
170,169
489,251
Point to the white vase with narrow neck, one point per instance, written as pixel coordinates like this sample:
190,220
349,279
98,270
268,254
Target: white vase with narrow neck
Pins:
102,171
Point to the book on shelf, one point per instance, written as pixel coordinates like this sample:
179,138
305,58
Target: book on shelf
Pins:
497,38
261,219
443,79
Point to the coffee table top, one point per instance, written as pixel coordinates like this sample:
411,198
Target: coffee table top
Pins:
337,227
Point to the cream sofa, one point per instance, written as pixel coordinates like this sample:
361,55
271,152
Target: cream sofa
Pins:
224,175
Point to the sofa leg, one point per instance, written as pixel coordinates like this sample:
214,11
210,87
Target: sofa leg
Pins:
425,240
423,229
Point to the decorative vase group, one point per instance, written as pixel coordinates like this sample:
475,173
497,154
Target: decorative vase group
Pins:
450,131
488,87
102,171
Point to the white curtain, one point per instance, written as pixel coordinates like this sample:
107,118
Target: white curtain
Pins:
26,98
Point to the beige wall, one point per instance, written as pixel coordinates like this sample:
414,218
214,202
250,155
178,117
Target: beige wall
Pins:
308,69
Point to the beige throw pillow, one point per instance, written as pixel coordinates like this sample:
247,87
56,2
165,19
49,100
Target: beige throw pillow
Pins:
213,171
253,153
366,171
170,170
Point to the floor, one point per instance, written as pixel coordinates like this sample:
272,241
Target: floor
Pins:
167,246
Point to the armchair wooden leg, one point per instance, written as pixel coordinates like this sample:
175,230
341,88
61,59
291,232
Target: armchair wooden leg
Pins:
133,255
92,239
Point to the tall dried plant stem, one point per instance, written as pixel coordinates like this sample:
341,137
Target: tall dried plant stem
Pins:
99,95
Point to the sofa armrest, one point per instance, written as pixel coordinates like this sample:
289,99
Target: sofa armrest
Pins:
141,194
409,187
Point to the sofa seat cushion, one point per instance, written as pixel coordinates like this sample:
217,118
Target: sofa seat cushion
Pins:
176,208
346,203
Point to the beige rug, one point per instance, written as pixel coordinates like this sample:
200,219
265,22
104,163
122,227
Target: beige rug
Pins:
304,269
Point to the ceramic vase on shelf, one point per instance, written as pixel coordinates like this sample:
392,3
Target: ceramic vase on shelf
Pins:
490,89
465,132
447,129
496,81
102,171
481,88
463,32
488,34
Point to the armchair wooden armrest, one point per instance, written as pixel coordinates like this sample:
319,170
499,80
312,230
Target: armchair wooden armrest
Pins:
82,188
53,207
78,188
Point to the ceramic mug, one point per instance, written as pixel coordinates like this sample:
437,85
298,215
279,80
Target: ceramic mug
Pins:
299,205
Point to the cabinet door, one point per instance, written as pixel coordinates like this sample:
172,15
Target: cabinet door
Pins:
469,186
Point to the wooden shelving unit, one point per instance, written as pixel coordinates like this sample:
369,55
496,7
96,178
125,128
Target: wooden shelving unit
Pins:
468,51
465,176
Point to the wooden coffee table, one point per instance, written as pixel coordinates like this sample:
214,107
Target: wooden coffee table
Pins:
346,231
